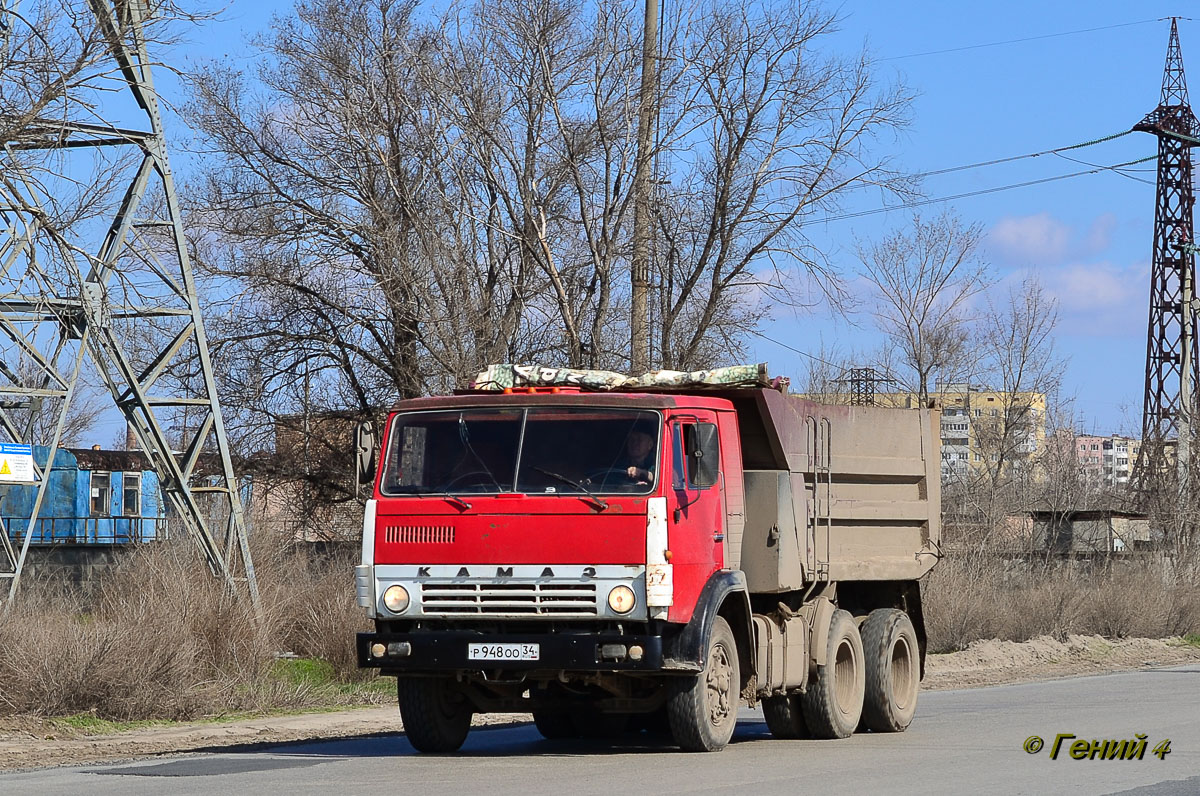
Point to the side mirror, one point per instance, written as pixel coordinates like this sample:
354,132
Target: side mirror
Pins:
706,450
366,448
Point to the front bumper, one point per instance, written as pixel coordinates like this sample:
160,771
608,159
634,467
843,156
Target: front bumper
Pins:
443,651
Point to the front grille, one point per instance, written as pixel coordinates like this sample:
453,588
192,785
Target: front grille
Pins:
419,534
507,599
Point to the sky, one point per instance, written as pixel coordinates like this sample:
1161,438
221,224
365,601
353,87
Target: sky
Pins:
1087,239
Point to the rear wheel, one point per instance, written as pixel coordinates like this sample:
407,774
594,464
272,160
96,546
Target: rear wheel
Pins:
702,710
591,723
785,717
893,670
554,725
833,703
436,715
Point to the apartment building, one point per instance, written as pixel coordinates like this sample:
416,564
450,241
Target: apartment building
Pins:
1109,460
979,427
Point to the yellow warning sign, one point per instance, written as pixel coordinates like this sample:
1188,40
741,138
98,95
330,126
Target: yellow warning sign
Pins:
4,469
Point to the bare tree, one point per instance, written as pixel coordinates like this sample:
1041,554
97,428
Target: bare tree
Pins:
924,282
541,96
760,132
1017,436
331,210
1014,353
397,195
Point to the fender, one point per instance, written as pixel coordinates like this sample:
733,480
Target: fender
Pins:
688,649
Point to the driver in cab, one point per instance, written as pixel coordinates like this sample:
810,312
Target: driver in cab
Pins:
639,456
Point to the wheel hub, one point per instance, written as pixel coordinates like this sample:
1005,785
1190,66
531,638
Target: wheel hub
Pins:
720,685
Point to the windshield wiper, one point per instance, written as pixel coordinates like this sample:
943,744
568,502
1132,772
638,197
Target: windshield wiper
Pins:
600,502
455,499
464,436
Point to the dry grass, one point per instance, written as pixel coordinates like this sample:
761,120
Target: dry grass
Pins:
162,639
991,596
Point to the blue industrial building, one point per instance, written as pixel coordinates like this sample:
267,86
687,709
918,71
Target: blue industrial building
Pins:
93,497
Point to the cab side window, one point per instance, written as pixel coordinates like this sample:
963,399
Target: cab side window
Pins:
696,455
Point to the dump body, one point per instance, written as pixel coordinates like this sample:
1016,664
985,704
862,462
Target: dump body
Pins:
516,559
840,493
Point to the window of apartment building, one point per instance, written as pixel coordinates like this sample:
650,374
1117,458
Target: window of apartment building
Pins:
995,413
101,493
131,495
978,457
978,413
1095,447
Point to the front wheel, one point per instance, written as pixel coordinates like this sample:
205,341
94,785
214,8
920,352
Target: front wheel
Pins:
702,710
833,703
436,715
893,670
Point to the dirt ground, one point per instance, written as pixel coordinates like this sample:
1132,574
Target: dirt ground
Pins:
31,742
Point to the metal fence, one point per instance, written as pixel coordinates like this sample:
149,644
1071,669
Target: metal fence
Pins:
90,530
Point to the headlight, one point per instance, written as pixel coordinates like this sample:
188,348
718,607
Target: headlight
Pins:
621,599
396,599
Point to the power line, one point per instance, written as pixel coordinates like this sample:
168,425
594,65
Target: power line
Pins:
997,161
1122,172
813,357
922,202
1017,41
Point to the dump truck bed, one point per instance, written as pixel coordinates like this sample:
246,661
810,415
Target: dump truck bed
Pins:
840,493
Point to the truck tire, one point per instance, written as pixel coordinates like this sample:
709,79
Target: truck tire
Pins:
833,703
436,716
893,670
785,717
554,725
702,709
591,723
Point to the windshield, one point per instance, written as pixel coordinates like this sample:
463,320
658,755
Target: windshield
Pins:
551,451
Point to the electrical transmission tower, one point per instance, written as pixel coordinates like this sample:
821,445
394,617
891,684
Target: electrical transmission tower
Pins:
1171,352
863,383
94,266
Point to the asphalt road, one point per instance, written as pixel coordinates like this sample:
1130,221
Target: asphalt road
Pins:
961,742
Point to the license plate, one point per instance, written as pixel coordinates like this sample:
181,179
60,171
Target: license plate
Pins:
503,652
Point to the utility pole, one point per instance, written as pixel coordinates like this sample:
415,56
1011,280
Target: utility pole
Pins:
639,326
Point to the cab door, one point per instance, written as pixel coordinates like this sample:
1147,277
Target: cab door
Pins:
695,508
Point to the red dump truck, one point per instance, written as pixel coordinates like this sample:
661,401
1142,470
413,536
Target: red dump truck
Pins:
613,555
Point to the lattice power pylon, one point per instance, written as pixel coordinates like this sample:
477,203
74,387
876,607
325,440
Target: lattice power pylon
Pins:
864,382
94,265
1171,352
